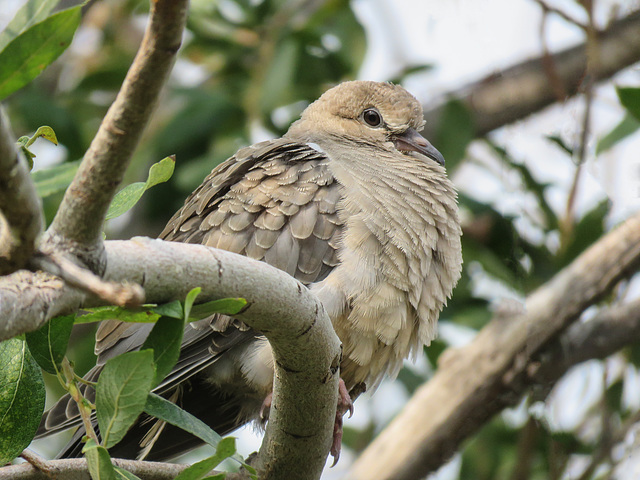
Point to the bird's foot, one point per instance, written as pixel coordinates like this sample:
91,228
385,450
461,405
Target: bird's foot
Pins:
345,404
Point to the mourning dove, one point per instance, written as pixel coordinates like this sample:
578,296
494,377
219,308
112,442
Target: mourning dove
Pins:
353,202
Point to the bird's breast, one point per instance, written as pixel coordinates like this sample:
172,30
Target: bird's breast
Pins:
399,259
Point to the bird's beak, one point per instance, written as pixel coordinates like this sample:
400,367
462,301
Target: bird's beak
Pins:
411,141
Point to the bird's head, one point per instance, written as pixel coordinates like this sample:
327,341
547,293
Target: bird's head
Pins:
376,114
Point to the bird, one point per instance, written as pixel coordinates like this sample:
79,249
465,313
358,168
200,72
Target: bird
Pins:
353,202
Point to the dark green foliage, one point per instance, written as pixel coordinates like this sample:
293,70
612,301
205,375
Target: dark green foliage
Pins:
22,398
48,344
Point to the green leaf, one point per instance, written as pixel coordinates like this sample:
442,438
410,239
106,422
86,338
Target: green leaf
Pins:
32,12
24,58
121,393
22,397
98,314
226,448
55,179
48,344
172,309
25,142
626,127
98,462
169,412
454,132
560,143
164,339
226,306
126,198
630,99
45,132
122,474
188,301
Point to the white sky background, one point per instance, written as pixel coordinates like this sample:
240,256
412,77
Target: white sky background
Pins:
465,40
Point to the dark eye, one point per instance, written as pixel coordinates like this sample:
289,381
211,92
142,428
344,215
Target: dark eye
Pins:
372,117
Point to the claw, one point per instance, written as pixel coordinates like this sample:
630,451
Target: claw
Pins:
345,404
266,406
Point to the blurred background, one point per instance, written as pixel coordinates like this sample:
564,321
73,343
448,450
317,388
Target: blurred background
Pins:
535,189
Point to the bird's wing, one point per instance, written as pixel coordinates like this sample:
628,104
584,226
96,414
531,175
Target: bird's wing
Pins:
275,201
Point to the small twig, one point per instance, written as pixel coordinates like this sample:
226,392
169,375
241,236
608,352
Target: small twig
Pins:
562,14
593,54
83,408
37,461
604,451
76,469
548,62
122,294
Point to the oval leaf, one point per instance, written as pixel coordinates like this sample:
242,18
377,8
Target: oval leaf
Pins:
226,448
32,12
164,339
48,344
98,461
31,52
22,397
169,412
121,393
126,198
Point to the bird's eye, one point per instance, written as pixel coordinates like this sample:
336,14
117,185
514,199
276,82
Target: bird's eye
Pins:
372,117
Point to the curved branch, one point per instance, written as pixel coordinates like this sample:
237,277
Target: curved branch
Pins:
475,382
21,220
512,94
306,349
78,222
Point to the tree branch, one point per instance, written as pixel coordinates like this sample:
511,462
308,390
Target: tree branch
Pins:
21,220
122,294
76,469
520,90
30,299
306,349
475,382
78,222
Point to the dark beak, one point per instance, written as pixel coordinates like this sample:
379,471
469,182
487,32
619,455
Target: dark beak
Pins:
411,141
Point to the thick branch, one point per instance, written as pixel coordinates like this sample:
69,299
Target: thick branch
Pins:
306,349
518,91
78,223
20,208
475,382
